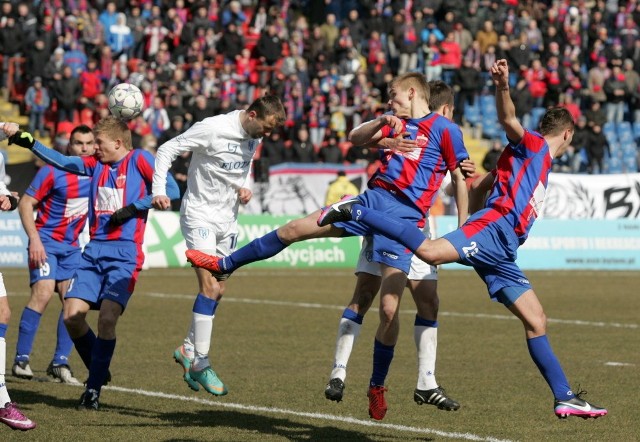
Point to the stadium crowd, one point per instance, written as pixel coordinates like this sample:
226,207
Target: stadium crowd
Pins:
330,62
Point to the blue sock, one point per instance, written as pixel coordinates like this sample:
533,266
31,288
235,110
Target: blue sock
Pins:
29,323
382,357
64,344
84,347
100,361
204,305
260,248
352,316
399,230
542,354
425,322
3,330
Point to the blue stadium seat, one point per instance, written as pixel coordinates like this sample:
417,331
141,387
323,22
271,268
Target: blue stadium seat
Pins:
625,132
630,163
613,165
536,114
472,113
636,129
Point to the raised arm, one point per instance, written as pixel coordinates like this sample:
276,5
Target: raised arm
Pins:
504,104
371,131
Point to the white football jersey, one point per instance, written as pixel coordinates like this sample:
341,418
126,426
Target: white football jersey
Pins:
220,165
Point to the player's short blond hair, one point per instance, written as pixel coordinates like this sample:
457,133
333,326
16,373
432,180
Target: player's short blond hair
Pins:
413,80
116,129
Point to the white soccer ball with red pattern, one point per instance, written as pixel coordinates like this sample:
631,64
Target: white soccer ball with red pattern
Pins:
125,101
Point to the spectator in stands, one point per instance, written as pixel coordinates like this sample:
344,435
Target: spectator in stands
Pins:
76,58
330,33
92,34
581,138
567,101
568,162
11,45
107,18
466,84
231,43
406,40
175,129
156,116
450,58
487,36
273,149
28,24
120,38
36,59
615,89
596,149
523,102
269,50
155,33
232,13
632,86
340,187
302,150
37,102
596,78
596,114
67,91
491,157
331,153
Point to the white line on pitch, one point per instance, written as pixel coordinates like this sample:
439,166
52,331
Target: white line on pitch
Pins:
322,416
337,307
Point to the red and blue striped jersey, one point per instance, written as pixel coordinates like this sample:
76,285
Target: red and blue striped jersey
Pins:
64,202
418,174
117,185
520,185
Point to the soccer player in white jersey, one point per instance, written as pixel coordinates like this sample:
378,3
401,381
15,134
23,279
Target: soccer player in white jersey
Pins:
422,283
10,414
217,183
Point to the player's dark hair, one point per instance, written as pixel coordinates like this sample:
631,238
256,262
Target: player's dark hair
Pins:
555,121
440,94
80,129
267,106
413,80
115,128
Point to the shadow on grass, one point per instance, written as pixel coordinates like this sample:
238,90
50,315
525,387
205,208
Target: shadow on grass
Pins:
227,420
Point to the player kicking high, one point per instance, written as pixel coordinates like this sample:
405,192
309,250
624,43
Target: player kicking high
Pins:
405,185
489,240
422,282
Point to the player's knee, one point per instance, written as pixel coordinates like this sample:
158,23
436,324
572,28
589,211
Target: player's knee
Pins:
73,321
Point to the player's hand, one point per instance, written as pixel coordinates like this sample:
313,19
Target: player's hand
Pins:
8,202
161,202
468,167
37,254
120,216
394,122
8,129
244,195
399,144
22,139
500,74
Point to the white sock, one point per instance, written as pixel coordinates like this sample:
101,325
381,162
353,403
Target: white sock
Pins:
187,345
202,328
348,331
4,394
426,344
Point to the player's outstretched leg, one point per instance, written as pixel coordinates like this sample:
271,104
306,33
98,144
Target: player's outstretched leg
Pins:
11,415
204,261
337,212
576,406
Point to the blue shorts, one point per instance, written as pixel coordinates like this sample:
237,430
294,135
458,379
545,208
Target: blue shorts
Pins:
490,246
385,250
107,270
62,262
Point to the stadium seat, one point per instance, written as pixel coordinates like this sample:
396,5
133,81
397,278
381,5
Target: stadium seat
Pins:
636,129
630,163
613,164
536,114
624,131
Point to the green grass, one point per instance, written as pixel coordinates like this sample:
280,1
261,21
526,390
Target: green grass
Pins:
273,346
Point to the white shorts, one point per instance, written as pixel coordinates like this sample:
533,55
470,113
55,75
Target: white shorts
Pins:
3,290
218,239
419,271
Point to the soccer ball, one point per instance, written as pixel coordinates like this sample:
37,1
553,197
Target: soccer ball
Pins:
125,101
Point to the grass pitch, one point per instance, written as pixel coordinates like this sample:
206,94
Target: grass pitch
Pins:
273,344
